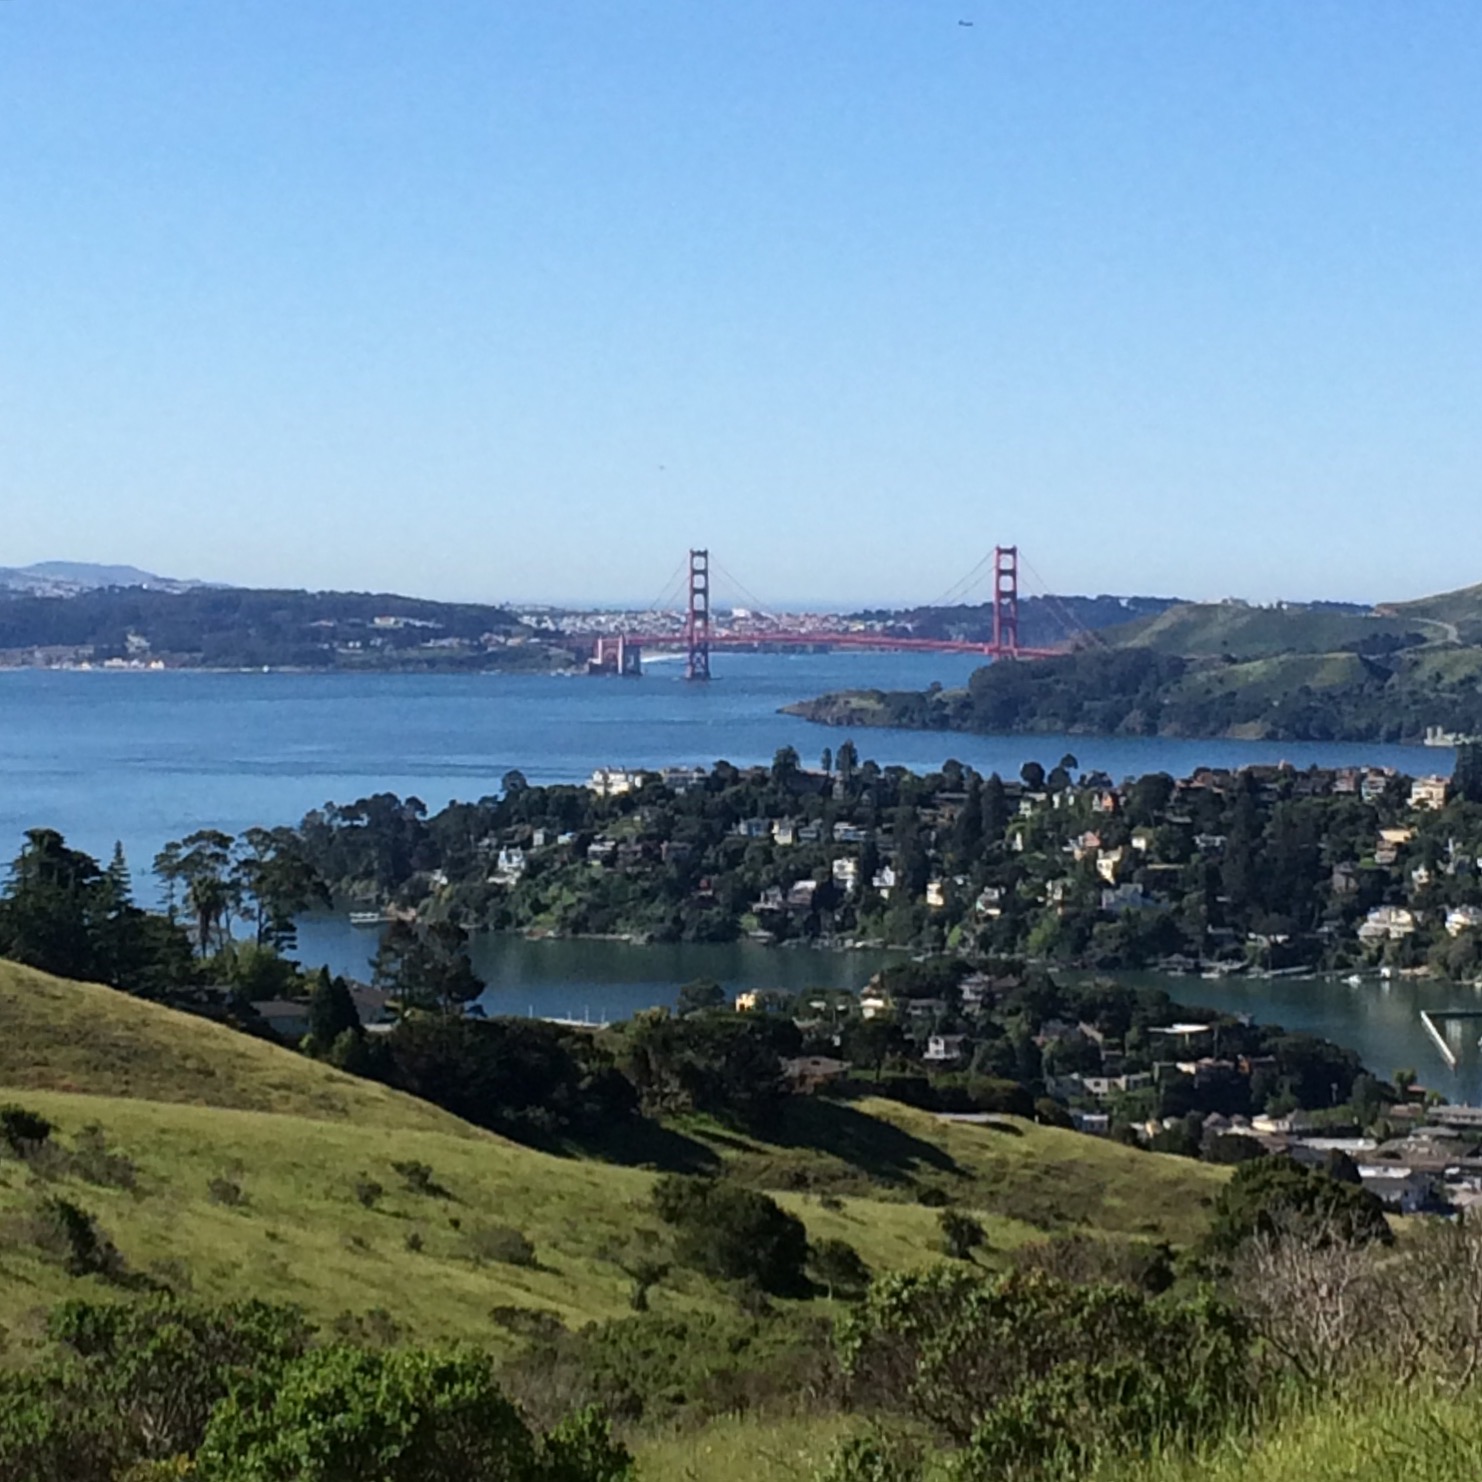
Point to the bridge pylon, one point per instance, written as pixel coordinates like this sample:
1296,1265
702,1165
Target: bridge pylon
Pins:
697,618
1006,601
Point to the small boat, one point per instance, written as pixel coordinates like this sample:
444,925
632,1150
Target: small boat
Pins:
367,918
1354,981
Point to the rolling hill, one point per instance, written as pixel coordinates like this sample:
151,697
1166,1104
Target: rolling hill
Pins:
231,1167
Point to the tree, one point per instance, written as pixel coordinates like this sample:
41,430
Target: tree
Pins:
201,867
1034,776
995,810
1466,776
53,908
1271,1197
826,761
427,966
961,1234
785,765
332,1012
730,1233
838,1267
273,873
846,762
701,995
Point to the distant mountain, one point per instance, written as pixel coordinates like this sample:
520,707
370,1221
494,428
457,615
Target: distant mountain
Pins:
69,578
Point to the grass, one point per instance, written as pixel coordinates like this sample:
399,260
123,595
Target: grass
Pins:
256,1171
1382,1437
1398,1436
57,1035
1213,628
742,1449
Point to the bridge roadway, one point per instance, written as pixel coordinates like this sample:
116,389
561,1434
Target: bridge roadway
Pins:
804,638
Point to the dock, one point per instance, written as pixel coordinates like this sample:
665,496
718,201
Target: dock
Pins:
1429,1018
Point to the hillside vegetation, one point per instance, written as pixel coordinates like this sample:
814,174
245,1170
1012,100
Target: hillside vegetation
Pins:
57,1035
229,1168
1222,669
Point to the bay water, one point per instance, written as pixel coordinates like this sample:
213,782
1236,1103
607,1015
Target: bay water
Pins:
145,757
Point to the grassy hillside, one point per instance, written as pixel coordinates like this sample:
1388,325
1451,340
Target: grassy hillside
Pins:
246,1170
64,1036
1209,629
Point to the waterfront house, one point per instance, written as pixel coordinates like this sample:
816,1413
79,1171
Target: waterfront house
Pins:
846,874
614,782
1428,792
1388,923
1463,918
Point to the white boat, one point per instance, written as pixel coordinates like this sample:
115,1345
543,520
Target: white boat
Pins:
1354,981
367,918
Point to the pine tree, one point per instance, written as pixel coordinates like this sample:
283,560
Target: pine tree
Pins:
332,1011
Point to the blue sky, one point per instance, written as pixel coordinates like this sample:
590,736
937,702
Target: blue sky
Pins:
488,299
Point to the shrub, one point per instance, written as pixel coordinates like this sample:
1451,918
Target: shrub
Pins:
1088,1260
838,1267
92,1161
1034,1361
71,1235
501,1243
733,1234
1272,1197
23,1131
414,1242
529,1322
419,1179
961,1234
375,1328
368,1192
226,1191
339,1412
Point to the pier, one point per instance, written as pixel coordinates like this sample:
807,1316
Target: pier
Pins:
1430,1018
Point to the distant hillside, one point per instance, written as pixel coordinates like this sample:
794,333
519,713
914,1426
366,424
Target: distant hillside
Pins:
1242,631
1317,672
68,578
243,628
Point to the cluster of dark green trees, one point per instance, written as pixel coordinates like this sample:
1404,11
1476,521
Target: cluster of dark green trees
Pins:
1143,692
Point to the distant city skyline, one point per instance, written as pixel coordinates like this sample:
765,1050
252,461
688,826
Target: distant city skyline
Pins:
516,303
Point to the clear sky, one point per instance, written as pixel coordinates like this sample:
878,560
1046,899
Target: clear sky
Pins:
497,298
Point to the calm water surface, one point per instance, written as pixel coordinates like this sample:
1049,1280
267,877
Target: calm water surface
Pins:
147,757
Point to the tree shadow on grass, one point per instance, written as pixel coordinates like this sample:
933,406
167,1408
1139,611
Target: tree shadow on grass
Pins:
642,1143
880,1149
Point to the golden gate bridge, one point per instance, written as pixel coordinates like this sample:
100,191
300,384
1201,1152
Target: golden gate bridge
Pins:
697,637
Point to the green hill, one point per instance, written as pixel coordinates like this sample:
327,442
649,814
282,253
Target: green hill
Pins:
64,1036
1212,629
234,1168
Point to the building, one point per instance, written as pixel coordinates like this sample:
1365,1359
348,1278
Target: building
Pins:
846,874
1428,792
1387,923
1463,918
614,782
942,1048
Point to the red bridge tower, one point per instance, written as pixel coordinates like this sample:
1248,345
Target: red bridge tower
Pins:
1006,601
697,620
